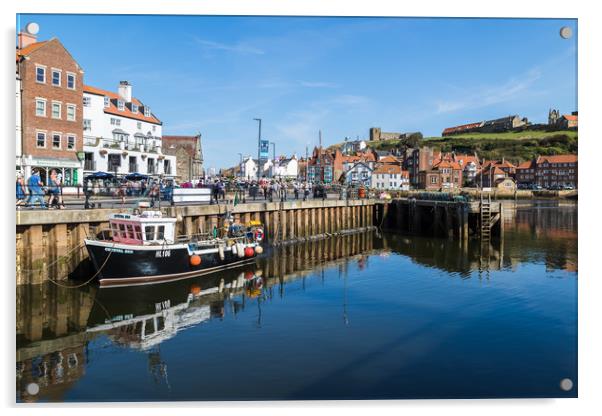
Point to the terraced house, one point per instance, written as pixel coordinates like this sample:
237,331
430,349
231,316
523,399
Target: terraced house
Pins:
49,109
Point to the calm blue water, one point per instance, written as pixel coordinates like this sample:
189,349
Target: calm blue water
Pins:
364,317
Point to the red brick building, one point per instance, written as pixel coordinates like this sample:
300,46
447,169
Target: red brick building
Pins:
444,175
547,171
51,89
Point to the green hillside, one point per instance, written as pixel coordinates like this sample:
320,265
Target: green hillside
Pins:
514,146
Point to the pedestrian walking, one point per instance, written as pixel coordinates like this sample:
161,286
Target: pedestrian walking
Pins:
154,193
36,193
215,192
21,194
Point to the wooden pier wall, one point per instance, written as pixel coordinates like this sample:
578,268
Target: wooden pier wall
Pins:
48,243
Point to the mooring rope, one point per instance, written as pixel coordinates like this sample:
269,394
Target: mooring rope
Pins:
87,281
61,258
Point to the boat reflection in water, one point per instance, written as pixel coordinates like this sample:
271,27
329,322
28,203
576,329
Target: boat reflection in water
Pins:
52,343
144,317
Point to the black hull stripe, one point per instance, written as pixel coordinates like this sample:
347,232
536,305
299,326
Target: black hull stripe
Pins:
143,280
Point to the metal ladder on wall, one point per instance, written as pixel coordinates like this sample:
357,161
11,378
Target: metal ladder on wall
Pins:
485,218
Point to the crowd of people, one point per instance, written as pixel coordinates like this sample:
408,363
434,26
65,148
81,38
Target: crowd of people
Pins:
33,192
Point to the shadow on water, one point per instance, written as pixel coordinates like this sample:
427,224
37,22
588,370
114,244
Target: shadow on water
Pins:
56,325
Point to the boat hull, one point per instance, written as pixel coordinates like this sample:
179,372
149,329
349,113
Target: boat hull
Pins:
119,264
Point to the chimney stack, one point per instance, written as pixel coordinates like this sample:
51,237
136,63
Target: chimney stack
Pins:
28,36
25,39
125,91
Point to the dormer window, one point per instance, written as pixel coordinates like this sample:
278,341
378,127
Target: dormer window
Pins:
134,108
120,105
147,112
107,102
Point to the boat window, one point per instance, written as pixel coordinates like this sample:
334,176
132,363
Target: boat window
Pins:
149,230
149,327
130,231
115,230
160,232
160,323
122,231
138,232
138,327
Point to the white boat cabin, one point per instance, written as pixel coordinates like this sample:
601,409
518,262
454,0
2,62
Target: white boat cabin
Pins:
147,228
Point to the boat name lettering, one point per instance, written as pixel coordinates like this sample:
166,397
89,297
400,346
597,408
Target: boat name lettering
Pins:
119,250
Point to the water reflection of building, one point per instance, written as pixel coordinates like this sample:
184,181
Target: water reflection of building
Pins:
51,339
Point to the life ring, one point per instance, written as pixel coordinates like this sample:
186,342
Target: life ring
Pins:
258,234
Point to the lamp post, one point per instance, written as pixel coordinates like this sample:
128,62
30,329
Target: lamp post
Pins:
258,146
273,158
240,166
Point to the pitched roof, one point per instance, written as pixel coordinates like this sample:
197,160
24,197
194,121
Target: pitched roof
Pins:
29,49
389,159
557,159
387,169
466,159
447,164
525,165
462,127
127,112
570,117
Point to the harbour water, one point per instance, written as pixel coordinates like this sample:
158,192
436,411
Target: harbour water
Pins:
366,316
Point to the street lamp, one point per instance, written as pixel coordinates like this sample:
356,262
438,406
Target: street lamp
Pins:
240,166
258,146
273,158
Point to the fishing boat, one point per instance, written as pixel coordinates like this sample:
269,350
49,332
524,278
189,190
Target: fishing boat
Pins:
141,248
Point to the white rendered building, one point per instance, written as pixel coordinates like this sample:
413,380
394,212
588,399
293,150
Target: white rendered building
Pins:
287,168
122,135
390,177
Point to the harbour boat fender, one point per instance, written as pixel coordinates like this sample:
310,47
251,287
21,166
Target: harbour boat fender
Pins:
240,250
195,289
220,251
195,260
259,234
234,249
249,252
258,249
249,275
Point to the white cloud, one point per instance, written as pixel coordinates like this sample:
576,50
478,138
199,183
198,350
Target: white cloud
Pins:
240,47
512,89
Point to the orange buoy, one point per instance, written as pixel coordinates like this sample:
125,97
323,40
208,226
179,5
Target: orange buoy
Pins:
195,289
249,252
249,275
195,260
258,249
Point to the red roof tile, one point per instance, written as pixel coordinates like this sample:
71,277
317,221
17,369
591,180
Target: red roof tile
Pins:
388,169
29,49
557,159
112,109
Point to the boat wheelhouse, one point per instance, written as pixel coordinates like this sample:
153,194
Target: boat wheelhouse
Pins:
148,228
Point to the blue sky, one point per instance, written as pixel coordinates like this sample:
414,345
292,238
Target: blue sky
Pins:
214,74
